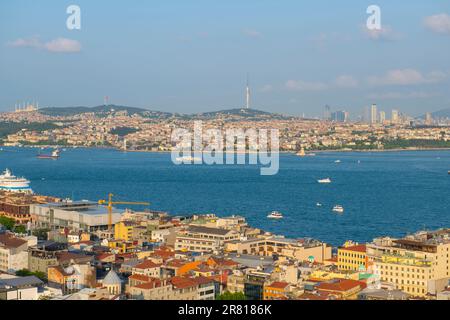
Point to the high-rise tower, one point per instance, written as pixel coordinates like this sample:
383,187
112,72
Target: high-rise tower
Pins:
247,95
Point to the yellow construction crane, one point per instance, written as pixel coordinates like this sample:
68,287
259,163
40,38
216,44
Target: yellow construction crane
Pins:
109,203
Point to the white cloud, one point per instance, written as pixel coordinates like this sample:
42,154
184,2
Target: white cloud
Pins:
346,81
59,45
403,77
385,33
252,33
63,45
439,23
32,42
300,85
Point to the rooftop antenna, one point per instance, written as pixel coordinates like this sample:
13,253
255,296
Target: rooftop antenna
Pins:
247,95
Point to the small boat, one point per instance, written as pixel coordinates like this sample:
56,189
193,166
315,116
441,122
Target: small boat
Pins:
337,161
186,159
275,215
318,204
338,208
301,153
54,155
326,180
448,172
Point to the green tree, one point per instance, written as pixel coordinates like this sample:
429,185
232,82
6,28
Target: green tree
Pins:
41,234
20,229
231,296
26,273
8,223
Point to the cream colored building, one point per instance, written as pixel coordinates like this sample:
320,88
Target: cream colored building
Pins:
418,264
204,239
301,250
13,253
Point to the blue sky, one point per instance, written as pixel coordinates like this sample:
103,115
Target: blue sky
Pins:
193,56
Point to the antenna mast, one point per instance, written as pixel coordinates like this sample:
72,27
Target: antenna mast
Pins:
247,95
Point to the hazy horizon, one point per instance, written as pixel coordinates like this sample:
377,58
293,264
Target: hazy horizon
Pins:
191,57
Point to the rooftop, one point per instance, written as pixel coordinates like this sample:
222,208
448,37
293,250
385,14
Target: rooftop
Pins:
215,231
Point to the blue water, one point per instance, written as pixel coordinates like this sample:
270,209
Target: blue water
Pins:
390,193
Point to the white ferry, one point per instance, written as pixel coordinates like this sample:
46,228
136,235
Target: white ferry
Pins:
9,182
275,215
338,208
188,159
326,180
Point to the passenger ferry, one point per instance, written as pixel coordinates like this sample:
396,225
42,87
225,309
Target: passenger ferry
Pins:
275,215
11,183
338,208
186,159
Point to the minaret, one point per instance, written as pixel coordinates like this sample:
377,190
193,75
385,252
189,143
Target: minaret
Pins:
247,95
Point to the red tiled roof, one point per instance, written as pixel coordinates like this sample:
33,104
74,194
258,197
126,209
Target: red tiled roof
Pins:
103,256
154,283
164,254
147,264
357,248
67,256
279,285
140,277
175,263
10,241
340,285
182,282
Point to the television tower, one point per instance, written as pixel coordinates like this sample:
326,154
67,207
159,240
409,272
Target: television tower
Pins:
247,95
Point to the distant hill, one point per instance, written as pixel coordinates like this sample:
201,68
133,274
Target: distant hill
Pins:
251,114
445,113
242,113
71,111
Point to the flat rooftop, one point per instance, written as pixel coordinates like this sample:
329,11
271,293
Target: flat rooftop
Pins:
84,207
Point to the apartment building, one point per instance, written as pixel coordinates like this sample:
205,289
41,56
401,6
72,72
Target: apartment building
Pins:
352,258
302,249
417,264
13,253
123,230
72,278
277,290
75,215
147,268
17,205
19,288
204,239
176,288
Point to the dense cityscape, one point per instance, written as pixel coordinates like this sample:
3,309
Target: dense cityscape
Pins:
224,159
59,249
140,130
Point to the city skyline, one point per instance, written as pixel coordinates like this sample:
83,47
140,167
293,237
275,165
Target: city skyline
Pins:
194,57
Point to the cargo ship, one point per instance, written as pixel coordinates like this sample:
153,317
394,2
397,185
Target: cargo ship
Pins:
54,155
